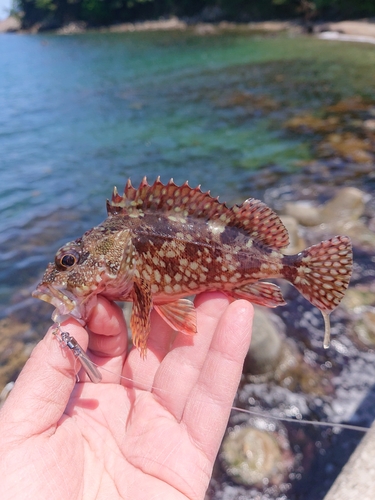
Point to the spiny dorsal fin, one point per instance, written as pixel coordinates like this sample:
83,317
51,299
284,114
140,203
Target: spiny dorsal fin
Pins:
253,216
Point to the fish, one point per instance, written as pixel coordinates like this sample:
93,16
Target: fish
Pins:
162,243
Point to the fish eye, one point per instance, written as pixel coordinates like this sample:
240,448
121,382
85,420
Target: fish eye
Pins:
66,258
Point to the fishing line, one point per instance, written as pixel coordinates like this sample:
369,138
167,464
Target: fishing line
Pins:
257,413
302,421
92,370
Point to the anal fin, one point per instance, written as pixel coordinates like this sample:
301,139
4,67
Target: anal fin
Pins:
261,293
180,315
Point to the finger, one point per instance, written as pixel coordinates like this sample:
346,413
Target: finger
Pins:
141,371
180,369
108,331
43,387
207,410
108,339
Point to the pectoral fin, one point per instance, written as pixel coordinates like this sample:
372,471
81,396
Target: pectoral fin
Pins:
180,315
261,293
140,323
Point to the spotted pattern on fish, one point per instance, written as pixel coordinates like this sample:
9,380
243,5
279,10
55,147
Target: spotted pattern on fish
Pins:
161,243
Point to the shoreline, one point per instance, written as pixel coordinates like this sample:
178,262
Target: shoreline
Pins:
13,25
362,30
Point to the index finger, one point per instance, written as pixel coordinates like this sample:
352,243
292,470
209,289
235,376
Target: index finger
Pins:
207,410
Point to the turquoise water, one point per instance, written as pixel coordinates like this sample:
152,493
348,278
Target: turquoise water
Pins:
80,114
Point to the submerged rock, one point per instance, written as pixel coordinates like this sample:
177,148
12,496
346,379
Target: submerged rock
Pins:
347,205
364,327
249,101
369,124
346,145
255,456
309,123
356,230
340,215
360,304
14,352
343,131
357,297
266,345
274,357
296,240
349,105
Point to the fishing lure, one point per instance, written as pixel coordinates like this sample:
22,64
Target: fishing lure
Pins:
65,338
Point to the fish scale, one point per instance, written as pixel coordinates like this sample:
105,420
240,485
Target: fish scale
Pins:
161,243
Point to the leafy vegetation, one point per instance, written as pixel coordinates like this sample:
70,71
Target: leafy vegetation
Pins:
54,13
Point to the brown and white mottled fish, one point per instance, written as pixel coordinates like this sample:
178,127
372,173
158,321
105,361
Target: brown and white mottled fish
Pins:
161,243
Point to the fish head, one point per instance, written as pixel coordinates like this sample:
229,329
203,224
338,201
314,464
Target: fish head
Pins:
102,261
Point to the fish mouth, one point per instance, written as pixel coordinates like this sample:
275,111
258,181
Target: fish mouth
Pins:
65,302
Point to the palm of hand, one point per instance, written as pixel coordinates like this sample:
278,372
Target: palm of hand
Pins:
136,451
152,434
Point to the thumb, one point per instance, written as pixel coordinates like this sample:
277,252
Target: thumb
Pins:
42,390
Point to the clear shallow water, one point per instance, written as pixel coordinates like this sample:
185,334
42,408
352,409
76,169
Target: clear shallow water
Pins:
80,114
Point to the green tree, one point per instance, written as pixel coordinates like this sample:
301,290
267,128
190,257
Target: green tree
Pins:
54,13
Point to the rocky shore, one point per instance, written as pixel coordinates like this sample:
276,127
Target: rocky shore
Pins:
359,31
348,31
10,25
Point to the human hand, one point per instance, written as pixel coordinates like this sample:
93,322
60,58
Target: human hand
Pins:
153,434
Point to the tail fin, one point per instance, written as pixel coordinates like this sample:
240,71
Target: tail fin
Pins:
322,274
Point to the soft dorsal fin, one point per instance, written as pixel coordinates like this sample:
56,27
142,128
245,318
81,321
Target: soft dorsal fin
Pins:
261,223
253,216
